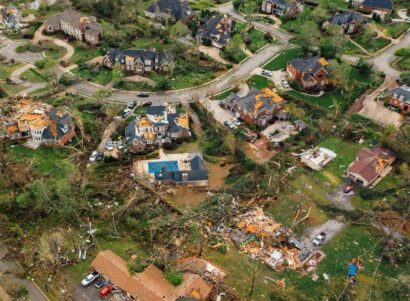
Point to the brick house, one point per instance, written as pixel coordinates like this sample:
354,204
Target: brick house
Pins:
370,166
310,72
282,7
258,107
39,122
170,11
400,98
159,124
76,25
138,61
380,7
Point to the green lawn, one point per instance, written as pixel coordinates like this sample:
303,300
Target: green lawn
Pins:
260,82
99,75
257,40
351,48
222,95
34,76
281,60
373,44
84,53
7,69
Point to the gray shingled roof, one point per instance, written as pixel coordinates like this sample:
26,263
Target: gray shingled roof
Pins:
64,124
217,26
402,91
177,8
346,18
74,18
381,4
248,101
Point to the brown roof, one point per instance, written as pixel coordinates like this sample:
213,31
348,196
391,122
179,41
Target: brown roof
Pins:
371,162
149,285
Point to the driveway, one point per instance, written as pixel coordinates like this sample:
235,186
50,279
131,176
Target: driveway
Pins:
331,227
221,115
90,293
340,199
9,52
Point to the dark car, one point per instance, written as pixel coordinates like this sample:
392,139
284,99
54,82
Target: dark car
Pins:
101,283
99,157
132,104
147,104
143,94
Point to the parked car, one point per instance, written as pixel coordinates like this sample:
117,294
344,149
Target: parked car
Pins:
285,84
93,156
407,19
109,145
100,157
125,113
101,283
90,278
147,104
221,102
132,104
229,124
106,290
120,145
236,121
318,240
267,73
143,94
348,189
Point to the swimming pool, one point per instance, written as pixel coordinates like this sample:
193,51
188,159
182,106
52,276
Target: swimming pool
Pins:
154,167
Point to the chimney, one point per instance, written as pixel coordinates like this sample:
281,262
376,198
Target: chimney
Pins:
184,177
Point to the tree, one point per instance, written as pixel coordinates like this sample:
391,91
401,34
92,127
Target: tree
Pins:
249,9
320,13
309,35
179,30
405,78
364,67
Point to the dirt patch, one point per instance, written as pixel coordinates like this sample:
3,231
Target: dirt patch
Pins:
258,151
217,174
196,123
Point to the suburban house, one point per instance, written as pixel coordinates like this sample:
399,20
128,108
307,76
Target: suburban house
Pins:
41,123
170,11
189,172
370,166
216,31
400,98
258,107
317,158
149,285
282,7
138,61
10,16
310,72
350,22
160,124
379,7
76,25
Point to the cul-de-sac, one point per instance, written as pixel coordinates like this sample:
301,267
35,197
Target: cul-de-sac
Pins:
204,150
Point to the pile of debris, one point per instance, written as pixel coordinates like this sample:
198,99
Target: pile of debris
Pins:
268,241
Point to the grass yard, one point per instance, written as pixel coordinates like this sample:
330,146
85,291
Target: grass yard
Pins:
281,60
393,30
351,48
260,82
34,76
346,153
6,69
84,53
98,74
257,40
222,95
372,45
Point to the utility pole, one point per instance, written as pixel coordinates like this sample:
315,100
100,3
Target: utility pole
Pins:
253,282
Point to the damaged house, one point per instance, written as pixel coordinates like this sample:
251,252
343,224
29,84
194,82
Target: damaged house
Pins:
10,16
289,8
309,72
160,124
258,107
317,158
76,25
349,22
40,123
216,31
134,61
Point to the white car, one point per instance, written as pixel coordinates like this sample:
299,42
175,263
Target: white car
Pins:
285,84
267,73
407,19
318,240
90,278
93,156
229,124
236,121
110,146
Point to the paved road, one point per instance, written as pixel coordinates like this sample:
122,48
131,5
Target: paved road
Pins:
218,85
331,227
9,52
282,35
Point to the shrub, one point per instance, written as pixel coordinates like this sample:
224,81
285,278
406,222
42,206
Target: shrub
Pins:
174,277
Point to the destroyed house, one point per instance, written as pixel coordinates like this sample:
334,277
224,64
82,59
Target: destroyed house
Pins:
196,175
317,158
258,107
216,31
170,11
149,285
159,124
135,61
41,123
370,166
310,72
76,25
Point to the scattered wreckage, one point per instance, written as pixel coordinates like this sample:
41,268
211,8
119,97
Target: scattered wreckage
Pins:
268,241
